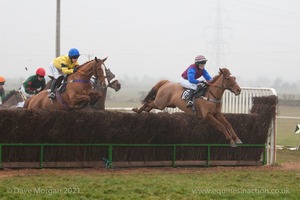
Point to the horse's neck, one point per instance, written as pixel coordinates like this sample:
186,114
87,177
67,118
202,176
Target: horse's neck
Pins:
14,99
81,75
84,72
216,89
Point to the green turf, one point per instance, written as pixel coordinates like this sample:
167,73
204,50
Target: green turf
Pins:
176,184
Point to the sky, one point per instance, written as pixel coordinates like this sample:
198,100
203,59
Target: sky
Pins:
257,40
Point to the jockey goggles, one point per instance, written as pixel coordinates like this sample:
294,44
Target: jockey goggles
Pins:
74,57
201,62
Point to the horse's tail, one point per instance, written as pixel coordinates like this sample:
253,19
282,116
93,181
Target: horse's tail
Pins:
152,94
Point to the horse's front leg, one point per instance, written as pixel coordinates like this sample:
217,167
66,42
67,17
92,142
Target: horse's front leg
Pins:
94,96
229,128
79,101
210,118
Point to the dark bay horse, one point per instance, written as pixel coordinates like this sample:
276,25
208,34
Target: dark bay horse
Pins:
111,81
11,100
167,94
78,92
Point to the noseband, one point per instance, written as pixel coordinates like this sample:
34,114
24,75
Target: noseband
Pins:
227,86
223,86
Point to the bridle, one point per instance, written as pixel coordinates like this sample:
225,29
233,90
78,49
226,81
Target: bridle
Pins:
108,79
95,74
225,85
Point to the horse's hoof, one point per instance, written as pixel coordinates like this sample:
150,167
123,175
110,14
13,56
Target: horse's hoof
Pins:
232,144
238,141
135,109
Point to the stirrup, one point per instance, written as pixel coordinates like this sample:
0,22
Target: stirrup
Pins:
51,95
189,104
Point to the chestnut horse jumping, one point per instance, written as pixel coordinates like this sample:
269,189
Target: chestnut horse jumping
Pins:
167,94
111,81
78,92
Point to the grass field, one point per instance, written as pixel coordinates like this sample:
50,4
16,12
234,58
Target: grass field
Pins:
261,182
286,127
265,182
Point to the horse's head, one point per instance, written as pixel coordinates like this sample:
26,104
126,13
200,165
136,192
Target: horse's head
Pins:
12,98
99,70
229,81
113,82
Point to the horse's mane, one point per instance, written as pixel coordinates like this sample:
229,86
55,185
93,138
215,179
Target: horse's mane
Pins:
226,72
85,63
10,94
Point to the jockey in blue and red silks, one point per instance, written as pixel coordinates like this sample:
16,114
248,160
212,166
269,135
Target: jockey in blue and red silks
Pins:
189,78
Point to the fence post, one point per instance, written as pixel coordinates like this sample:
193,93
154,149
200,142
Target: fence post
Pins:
174,156
1,167
110,152
42,156
265,155
208,155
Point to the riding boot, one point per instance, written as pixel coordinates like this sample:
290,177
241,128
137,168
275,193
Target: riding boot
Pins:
52,92
190,98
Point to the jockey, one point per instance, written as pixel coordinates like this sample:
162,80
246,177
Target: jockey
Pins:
189,78
34,83
62,66
2,82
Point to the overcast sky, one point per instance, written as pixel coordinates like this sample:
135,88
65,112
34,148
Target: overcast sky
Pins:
157,38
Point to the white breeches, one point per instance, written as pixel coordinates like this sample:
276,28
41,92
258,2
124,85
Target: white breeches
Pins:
22,89
186,84
55,72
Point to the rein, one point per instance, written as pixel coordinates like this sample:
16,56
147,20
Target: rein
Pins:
79,81
217,100
103,67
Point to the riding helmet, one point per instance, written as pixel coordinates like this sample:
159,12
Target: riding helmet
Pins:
200,58
2,80
73,53
40,71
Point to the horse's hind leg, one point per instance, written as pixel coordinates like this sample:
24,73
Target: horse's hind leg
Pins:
146,107
141,109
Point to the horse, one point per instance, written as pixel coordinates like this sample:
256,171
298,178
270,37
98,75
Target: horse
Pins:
208,107
11,100
78,89
112,82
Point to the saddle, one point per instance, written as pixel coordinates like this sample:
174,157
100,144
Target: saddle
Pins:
62,83
199,92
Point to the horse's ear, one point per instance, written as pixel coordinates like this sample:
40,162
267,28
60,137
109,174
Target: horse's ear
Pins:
104,59
221,70
96,59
